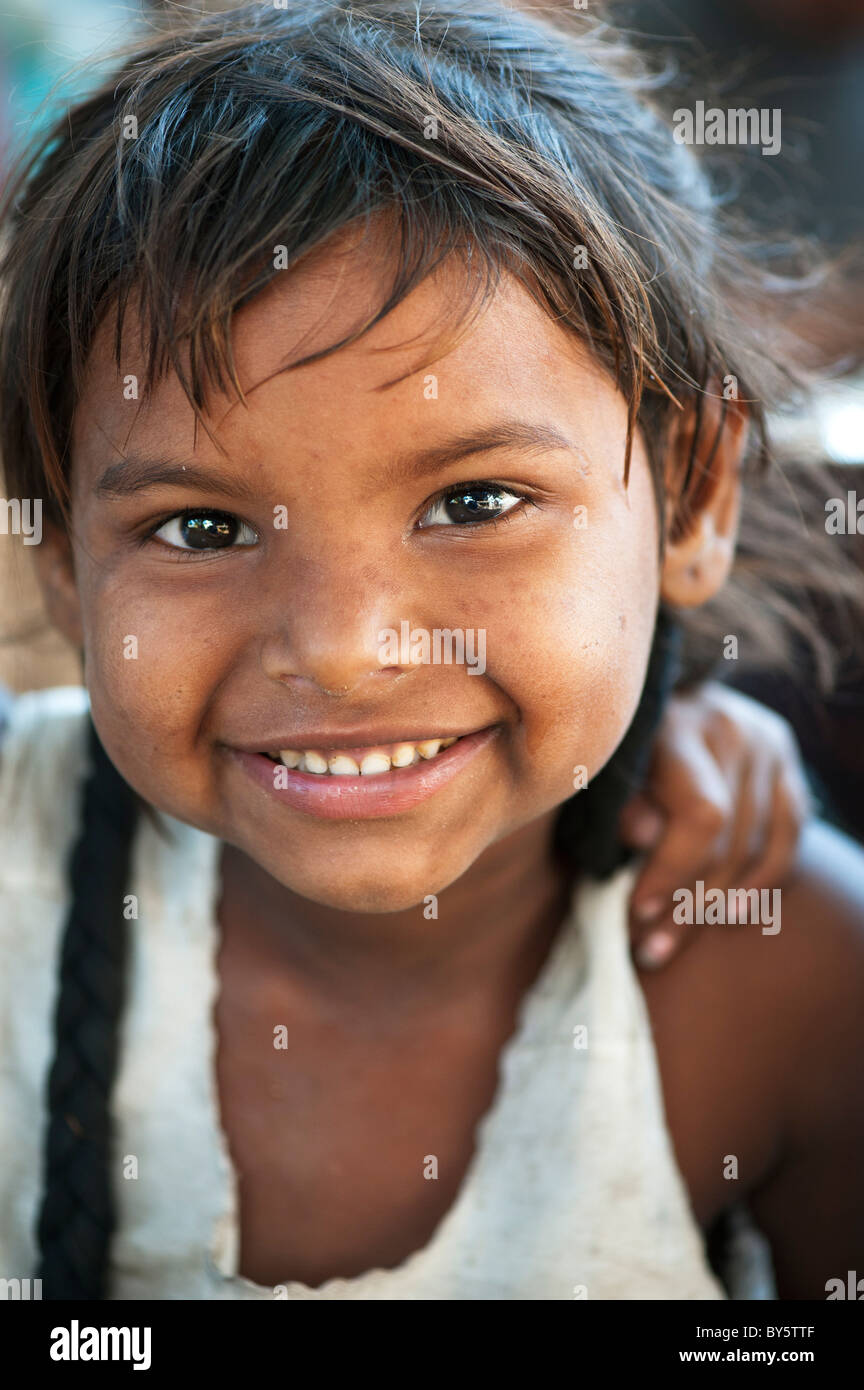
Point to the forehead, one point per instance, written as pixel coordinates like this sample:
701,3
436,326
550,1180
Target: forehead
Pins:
511,350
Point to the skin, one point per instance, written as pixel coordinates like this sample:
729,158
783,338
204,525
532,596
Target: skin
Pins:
725,801
389,1013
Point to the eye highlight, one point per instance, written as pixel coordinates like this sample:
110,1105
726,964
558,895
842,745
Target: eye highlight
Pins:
204,530
471,504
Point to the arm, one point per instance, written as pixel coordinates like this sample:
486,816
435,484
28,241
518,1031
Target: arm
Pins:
811,1208
725,802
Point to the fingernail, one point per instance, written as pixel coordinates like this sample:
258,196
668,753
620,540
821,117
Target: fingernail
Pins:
651,907
646,829
655,949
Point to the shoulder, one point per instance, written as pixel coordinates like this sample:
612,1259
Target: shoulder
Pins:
817,992
43,759
810,974
812,1204
781,990
760,1040
46,718
827,885
55,707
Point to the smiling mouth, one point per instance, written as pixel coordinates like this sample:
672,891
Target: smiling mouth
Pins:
363,762
364,782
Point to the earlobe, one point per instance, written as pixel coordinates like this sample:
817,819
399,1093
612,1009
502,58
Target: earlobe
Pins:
701,545
697,567
55,571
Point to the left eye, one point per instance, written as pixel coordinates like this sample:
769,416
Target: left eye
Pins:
205,531
469,504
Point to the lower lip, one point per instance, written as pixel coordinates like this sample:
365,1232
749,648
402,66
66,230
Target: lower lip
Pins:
364,798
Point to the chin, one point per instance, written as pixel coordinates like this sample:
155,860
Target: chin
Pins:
368,887
347,894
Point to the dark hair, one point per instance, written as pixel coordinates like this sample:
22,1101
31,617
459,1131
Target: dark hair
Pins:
472,131
259,128
77,1214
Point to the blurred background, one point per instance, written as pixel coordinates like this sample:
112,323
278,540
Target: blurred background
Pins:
805,57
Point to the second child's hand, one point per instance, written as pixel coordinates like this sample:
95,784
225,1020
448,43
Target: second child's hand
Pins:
725,802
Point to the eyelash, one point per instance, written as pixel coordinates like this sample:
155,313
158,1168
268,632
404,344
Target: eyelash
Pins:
179,553
490,485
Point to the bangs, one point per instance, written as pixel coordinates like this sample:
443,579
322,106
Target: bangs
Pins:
208,167
229,147
290,161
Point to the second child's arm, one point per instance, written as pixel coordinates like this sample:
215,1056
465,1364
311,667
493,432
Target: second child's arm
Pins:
725,802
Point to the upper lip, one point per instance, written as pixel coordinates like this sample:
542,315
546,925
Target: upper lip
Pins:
333,740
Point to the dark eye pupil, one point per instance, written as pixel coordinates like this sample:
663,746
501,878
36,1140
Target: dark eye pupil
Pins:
474,504
208,530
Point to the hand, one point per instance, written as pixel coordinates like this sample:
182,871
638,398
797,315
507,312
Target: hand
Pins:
725,802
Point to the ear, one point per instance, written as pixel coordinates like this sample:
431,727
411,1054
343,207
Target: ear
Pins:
702,529
55,571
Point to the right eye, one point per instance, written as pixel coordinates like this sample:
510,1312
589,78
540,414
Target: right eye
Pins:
471,504
205,530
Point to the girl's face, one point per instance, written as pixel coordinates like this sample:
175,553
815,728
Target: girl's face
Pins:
340,515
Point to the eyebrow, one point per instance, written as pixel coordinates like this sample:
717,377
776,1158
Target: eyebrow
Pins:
507,434
134,474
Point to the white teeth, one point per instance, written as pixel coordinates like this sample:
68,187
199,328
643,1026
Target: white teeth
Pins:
312,762
404,755
343,766
429,747
374,762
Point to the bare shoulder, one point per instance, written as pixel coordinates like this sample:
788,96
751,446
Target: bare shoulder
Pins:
760,1040
820,961
786,983
827,885
812,1205
817,992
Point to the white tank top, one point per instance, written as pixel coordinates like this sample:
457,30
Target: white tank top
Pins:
573,1190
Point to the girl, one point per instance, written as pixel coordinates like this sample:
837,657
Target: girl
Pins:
440,291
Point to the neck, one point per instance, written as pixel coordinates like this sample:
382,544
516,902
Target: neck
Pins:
493,930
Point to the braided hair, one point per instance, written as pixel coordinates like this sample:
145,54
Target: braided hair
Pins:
77,1216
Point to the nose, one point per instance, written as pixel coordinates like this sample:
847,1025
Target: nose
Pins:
331,632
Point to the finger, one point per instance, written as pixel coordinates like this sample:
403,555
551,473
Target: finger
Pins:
695,795
641,823
747,834
665,940
789,813
785,814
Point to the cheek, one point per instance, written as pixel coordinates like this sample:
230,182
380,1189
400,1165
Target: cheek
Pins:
151,667
583,628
